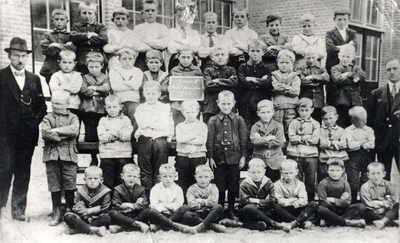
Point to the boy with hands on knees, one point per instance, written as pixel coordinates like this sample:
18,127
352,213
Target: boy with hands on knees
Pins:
202,199
227,149
92,203
379,197
267,137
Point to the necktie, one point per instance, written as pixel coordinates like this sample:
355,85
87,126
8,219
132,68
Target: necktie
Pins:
394,91
211,41
16,74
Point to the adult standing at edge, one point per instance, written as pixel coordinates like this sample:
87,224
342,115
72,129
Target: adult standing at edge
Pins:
383,109
22,108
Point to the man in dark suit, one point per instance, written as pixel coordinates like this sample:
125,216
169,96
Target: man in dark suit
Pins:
336,38
22,108
383,109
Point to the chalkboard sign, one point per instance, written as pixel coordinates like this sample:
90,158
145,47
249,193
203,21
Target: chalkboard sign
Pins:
186,88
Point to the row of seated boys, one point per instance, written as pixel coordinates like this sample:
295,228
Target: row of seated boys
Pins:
223,141
263,205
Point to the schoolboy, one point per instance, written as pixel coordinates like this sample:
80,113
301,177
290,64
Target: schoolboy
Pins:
129,202
274,41
115,148
155,127
335,197
95,87
130,206
227,149
313,78
92,203
55,41
254,82
347,79
379,196
88,35
202,198
67,79
154,62
191,138
59,132
334,40
267,137
211,39
291,196
182,37
286,89
360,140
184,68
218,77
150,34
332,141
125,82
240,36
307,39
256,199
303,144
119,37
167,197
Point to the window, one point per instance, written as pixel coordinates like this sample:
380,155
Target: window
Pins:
367,12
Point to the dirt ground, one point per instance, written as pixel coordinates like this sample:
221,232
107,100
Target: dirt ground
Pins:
38,231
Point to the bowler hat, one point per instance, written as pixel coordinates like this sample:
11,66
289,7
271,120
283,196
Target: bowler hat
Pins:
18,44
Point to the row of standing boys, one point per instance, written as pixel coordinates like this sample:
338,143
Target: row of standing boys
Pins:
236,64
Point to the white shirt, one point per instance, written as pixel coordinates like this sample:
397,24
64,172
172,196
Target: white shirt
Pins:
242,36
158,33
20,79
343,33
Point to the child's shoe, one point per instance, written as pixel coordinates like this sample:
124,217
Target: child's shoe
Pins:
322,223
218,228
258,225
183,228
280,226
155,227
99,231
231,223
115,229
141,226
380,224
200,228
56,217
359,223
307,225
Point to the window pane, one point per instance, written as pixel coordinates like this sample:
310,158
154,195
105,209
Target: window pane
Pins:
139,19
375,47
37,50
219,30
39,14
168,8
368,47
131,18
374,75
218,8
359,45
203,7
375,12
368,69
369,11
356,10
169,22
138,5
226,17
128,4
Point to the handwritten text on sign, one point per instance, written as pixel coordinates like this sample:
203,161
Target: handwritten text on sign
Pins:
187,87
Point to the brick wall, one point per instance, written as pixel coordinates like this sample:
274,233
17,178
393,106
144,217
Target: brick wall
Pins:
15,21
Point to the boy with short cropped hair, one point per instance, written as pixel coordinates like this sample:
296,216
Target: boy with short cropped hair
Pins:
313,78
59,132
286,89
155,127
360,140
308,40
202,198
119,37
256,200
125,82
274,41
211,39
191,138
95,87
240,36
254,83
55,41
291,196
303,145
88,35
67,79
217,77
379,197
154,62
267,137
92,203
332,141
227,149
334,199
115,148
347,79
184,68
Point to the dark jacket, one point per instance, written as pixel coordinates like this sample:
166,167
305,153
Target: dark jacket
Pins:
265,193
90,101
100,197
230,150
333,39
122,194
382,119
